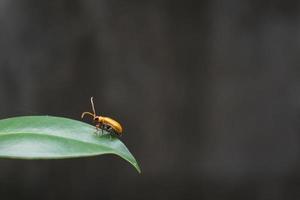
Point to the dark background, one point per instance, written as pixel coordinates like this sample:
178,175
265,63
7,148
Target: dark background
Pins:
208,93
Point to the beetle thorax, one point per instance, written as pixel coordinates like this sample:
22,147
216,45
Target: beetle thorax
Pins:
100,119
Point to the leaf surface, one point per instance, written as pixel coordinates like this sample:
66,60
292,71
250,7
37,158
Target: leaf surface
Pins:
48,137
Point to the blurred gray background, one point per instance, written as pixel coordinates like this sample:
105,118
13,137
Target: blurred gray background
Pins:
208,93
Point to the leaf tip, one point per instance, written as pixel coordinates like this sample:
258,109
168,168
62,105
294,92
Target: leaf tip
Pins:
137,167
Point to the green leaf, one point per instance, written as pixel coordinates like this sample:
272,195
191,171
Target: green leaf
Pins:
48,137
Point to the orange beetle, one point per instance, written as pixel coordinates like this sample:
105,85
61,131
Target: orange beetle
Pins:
104,123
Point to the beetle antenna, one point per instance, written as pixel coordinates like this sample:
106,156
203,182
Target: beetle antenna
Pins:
93,107
87,113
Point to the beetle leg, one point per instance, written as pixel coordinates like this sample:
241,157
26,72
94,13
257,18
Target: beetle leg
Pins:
102,127
97,129
109,129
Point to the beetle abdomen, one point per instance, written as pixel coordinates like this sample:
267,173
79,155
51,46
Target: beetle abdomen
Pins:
113,124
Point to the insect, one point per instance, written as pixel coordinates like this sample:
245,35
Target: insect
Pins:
104,123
